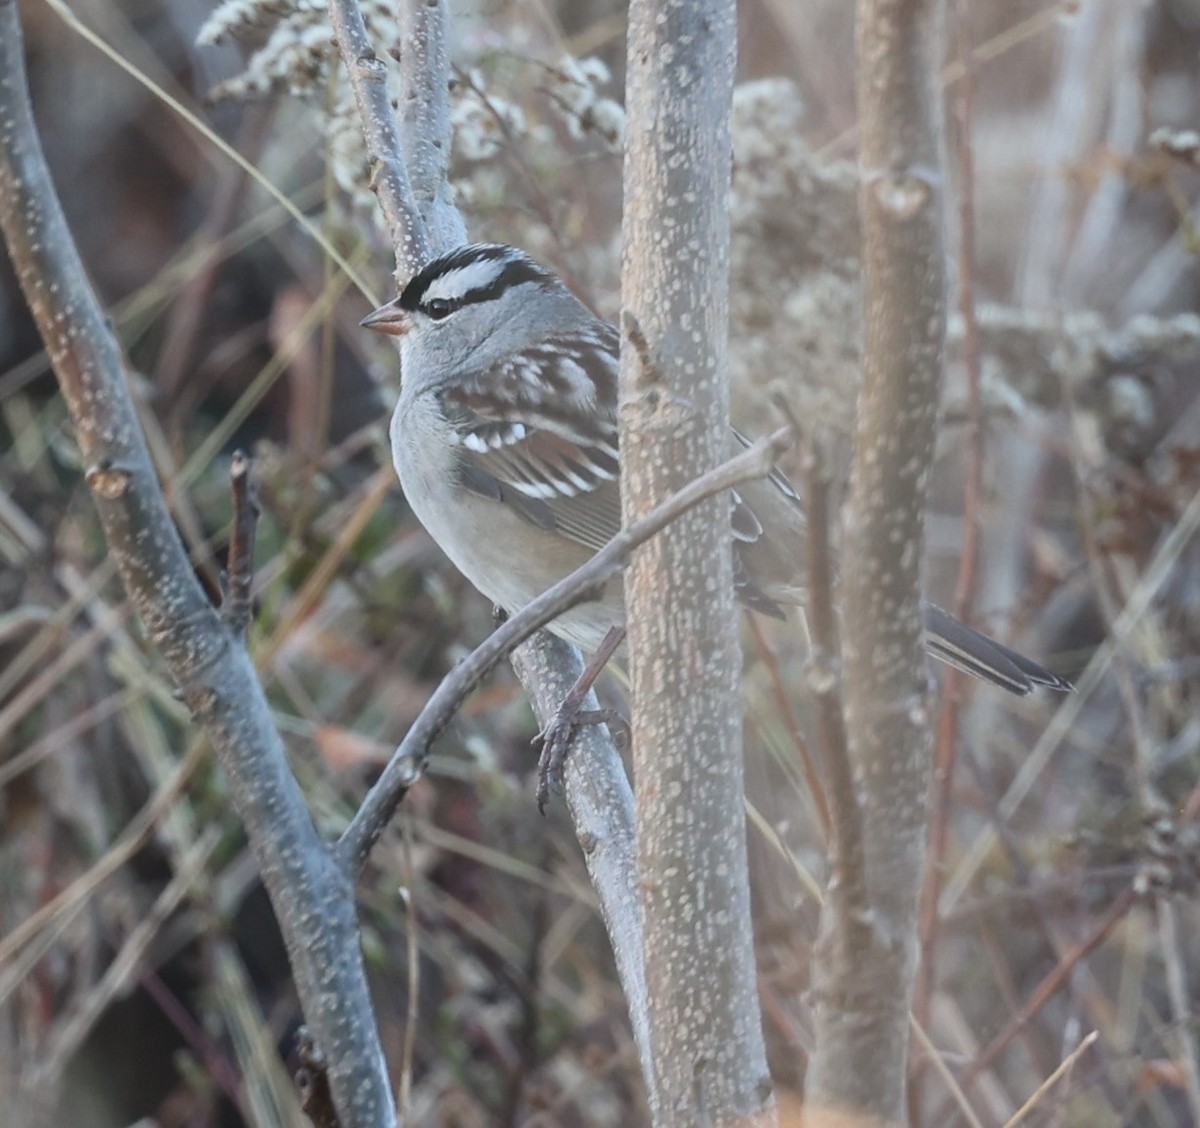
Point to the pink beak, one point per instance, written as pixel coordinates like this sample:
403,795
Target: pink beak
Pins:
388,318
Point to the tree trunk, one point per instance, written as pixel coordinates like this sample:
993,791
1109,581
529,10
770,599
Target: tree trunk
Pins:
709,1059
866,960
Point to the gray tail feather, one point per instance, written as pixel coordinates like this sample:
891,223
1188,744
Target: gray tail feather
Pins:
985,658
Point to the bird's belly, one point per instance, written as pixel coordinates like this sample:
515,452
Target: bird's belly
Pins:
478,534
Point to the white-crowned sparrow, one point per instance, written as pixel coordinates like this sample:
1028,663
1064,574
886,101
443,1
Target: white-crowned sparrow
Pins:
505,440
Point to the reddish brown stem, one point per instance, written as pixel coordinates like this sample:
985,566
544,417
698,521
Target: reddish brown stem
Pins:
238,610
945,749
1043,993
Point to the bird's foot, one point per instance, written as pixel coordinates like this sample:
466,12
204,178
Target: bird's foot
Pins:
555,741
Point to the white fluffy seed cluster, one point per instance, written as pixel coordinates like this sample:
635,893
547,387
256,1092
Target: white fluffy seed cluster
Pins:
500,103
796,320
486,120
296,54
574,85
483,120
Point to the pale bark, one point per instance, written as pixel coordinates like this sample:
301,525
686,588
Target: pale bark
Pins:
706,1038
389,170
312,896
602,810
865,966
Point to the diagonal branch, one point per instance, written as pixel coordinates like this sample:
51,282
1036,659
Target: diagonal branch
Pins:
846,851
389,172
207,660
586,582
601,804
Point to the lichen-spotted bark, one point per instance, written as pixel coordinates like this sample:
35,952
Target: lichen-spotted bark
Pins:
864,970
311,895
710,1065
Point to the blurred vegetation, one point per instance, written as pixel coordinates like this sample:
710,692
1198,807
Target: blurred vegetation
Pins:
142,975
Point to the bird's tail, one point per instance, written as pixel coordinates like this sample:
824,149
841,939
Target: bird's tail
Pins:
985,658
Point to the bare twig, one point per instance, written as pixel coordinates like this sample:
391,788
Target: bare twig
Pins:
844,817
412,948
425,117
122,971
212,1057
1044,991
783,703
946,742
964,590
408,761
848,889
389,173
601,804
212,669
238,609
1064,1067
312,1079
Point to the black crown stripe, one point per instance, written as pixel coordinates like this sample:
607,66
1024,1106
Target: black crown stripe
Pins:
518,268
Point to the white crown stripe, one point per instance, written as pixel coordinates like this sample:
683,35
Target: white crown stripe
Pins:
457,283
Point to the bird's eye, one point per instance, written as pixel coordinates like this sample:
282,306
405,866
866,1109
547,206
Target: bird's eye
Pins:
439,308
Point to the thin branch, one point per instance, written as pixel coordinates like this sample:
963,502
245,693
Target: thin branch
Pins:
848,887
425,117
412,947
946,741
367,74
214,672
601,804
1053,982
964,590
1064,1067
81,1020
783,704
408,761
238,610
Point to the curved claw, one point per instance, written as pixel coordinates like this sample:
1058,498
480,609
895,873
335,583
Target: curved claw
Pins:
555,742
